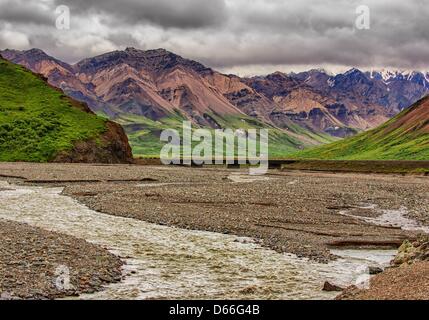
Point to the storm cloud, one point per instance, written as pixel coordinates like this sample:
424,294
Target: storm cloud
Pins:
239,36
164,13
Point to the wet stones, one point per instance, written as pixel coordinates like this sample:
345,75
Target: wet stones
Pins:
30,258
411,252
374,270
329,287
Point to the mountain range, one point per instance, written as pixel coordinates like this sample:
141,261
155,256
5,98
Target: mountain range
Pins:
406,136
146,91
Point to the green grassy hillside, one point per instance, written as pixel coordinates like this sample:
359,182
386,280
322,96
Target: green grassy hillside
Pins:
143,133
37,121
405,137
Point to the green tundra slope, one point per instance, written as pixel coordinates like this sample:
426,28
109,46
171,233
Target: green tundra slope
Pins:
39,123
405,137
144,133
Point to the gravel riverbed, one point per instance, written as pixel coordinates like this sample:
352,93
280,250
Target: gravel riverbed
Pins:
293,212
34,264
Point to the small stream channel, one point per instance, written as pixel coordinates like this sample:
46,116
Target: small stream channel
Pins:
171,263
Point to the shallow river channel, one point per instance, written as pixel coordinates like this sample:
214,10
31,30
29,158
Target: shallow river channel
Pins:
166,262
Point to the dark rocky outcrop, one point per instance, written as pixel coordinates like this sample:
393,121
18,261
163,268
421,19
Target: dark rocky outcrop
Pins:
112,147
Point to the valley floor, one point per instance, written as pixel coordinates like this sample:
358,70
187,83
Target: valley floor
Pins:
32,260
304,213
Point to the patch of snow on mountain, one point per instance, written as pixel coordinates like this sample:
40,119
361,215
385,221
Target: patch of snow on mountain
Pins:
331,82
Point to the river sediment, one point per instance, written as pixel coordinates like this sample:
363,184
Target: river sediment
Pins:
171,263
40,264
276,237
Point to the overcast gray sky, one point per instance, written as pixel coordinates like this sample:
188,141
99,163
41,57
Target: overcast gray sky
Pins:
238,36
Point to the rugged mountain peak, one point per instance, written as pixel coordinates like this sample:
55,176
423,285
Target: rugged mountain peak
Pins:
282,79
36,51
153,52
383,74
279,75
131,49
353,71
157,60
351,78
316,78
151,82
387,75
353,74
320,71
100,61
34,54
31,57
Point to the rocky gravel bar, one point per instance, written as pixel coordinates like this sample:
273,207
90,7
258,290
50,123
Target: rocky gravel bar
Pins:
38,264
295,212
305,213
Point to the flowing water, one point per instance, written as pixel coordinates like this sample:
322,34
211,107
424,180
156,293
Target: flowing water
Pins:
239,177
166,262
390,218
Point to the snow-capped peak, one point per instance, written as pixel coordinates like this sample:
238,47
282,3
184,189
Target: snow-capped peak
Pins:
386,74
389,74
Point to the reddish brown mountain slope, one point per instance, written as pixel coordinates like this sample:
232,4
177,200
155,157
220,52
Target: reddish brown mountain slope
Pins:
319,102
413,121
405,137
157,83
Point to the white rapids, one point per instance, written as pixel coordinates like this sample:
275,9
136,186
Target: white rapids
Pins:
171,263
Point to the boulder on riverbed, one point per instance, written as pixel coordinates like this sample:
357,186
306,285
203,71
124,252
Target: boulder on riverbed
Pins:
374,270
411,252
329,287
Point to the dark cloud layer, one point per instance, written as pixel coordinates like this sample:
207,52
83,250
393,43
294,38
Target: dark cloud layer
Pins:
249,36
19,11
164,13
